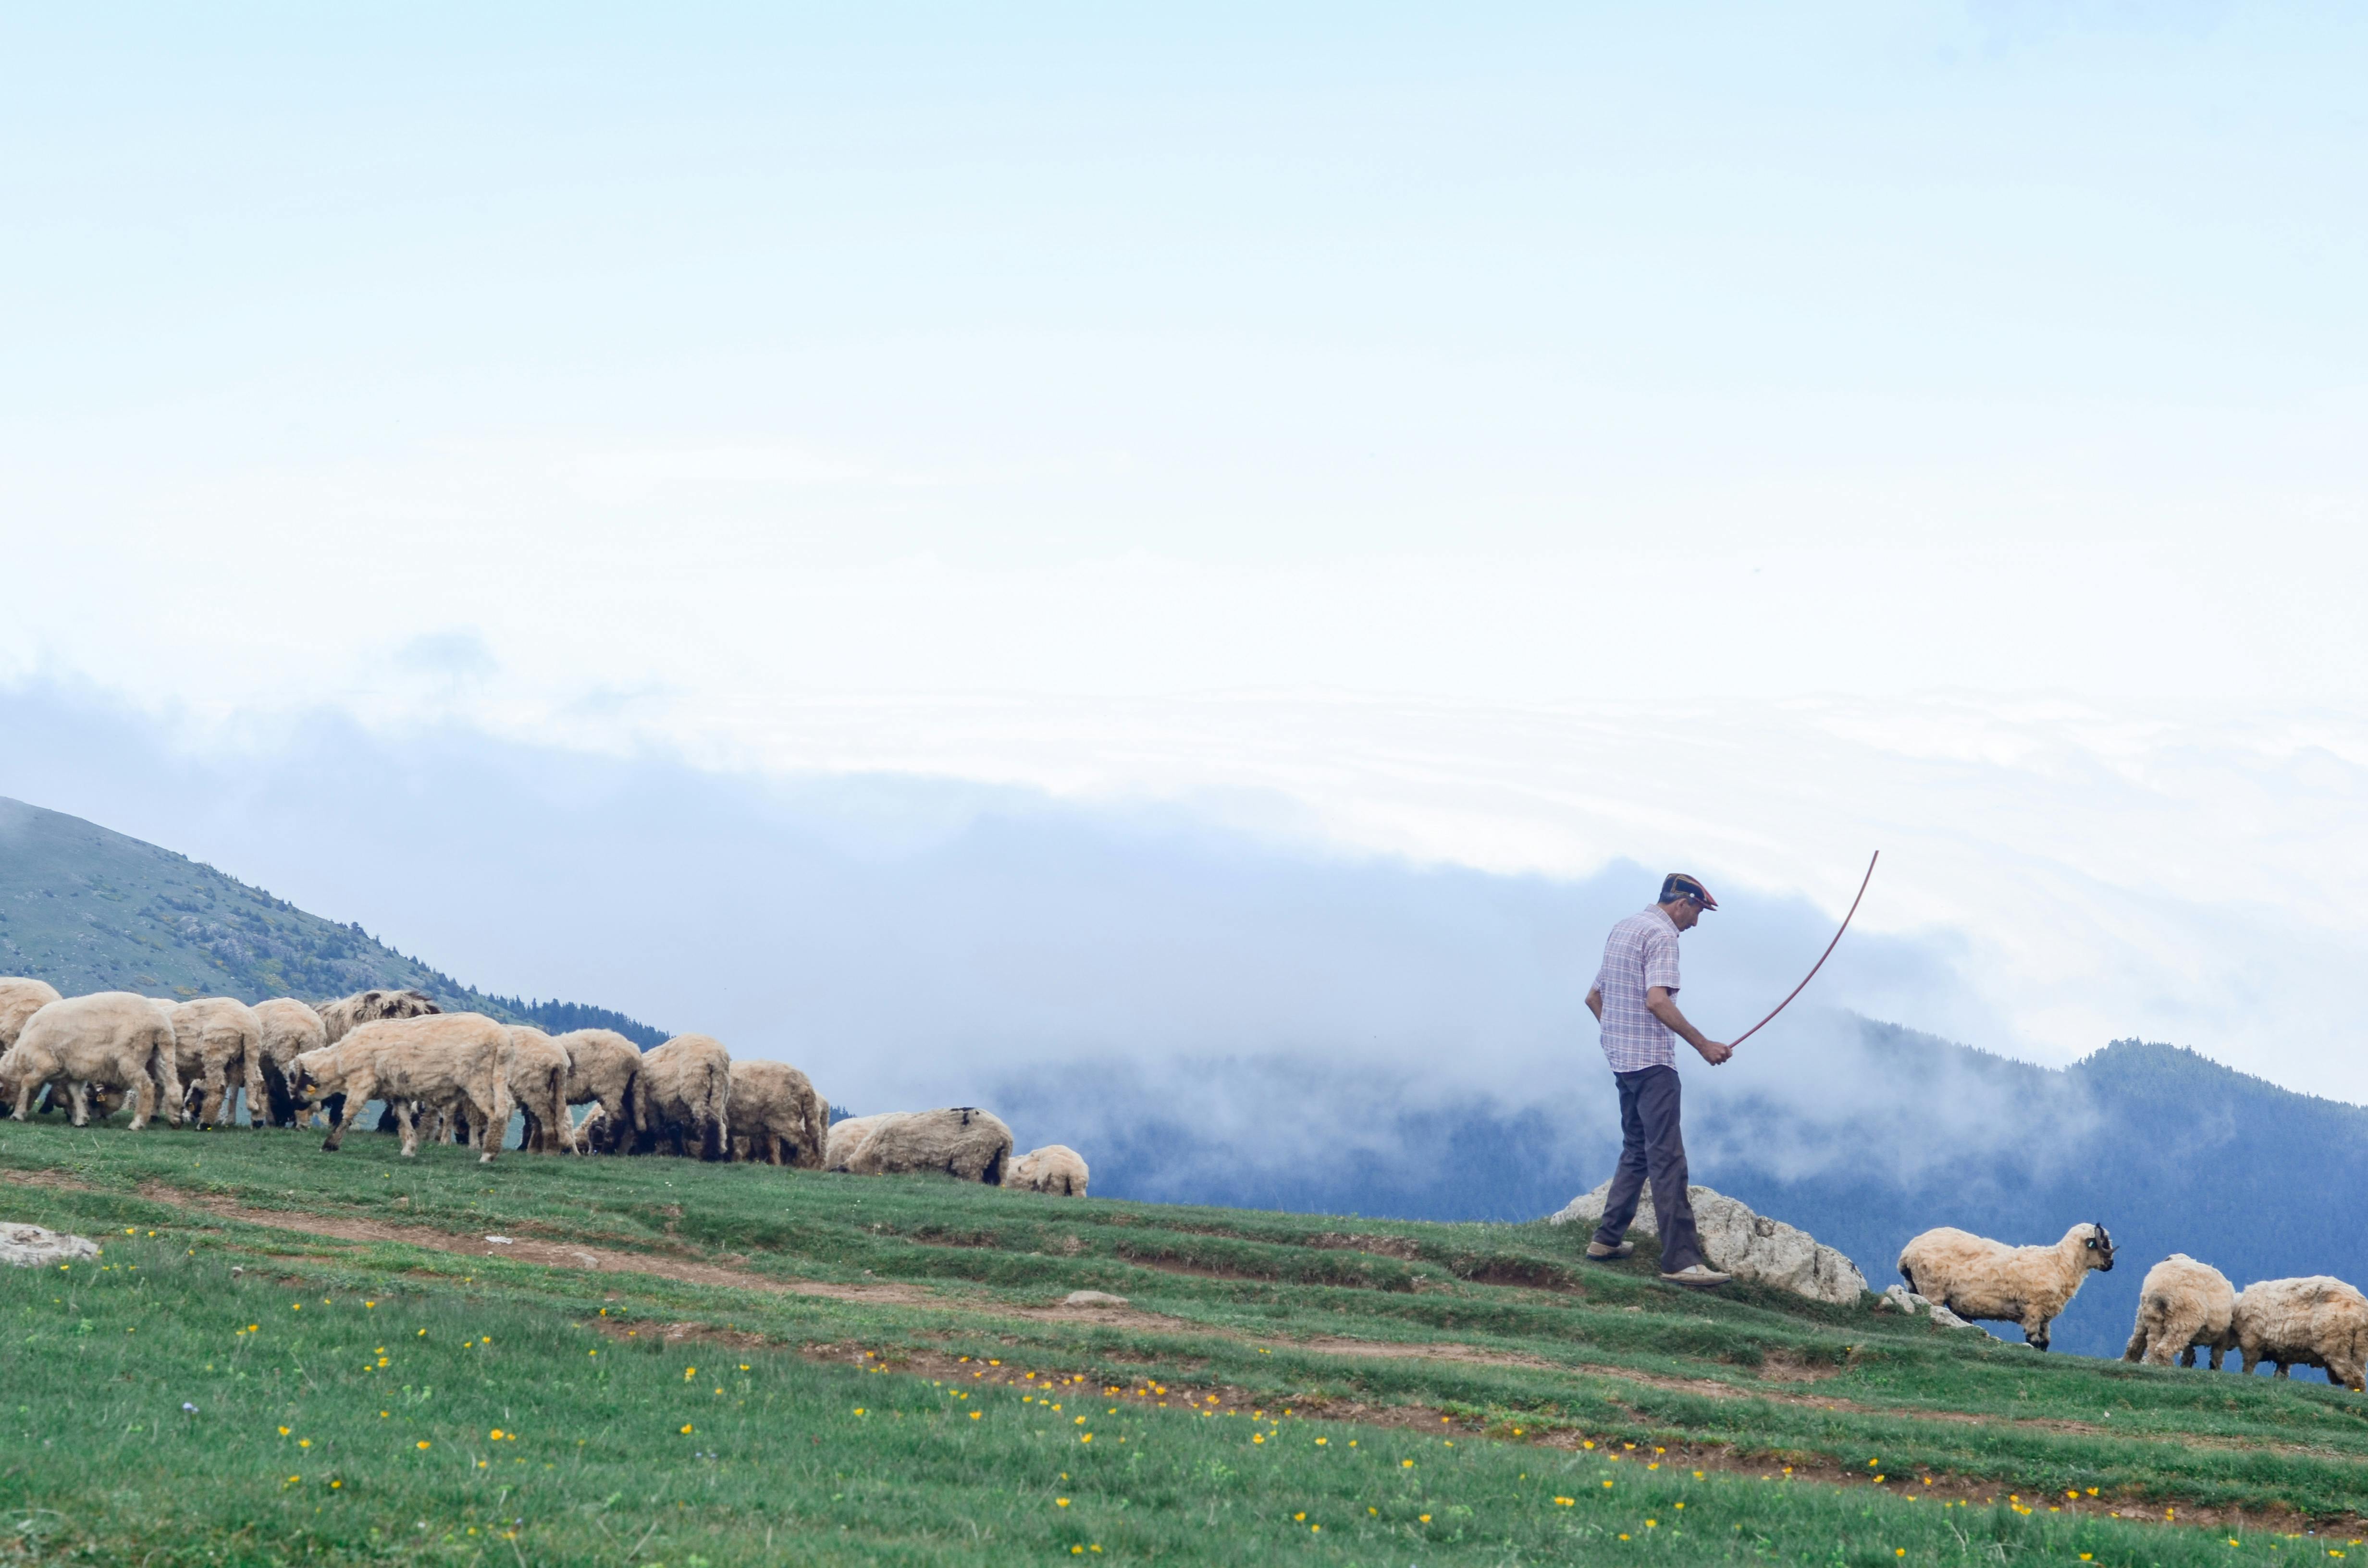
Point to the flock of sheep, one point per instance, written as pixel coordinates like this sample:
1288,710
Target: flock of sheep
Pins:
460,1075
2184,1306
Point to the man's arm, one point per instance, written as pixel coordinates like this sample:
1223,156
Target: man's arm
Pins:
1595,1002
1664,1007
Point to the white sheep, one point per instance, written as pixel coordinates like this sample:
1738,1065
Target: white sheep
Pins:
2182,1306
1055,1168
961,1141
219,1047
683,1096
107,1041
2314,1322
1989,1281
21,998
435,1063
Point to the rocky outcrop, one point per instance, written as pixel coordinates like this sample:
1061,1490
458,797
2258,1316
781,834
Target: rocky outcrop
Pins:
1747,1246
1902,1299
29,1247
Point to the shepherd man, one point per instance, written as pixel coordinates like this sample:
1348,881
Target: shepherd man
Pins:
1634,998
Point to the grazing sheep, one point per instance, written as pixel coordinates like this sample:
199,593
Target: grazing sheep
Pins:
218,1043
601,1068
21,998
684,1097
2317,1322
348,1013
289,1029
1054,1168
109,1039
362,1007
1989,1281
846,1136
2182,1306
437,1063
777,1117
963,1142
537,1068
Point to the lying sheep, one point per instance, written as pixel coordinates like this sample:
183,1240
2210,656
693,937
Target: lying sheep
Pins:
217,1044
601,1068
444,1062
684,1097
2317,1322
287,1029
1989,1281
963,1142
777,1117
2183,1306
109,1039
1054,1168
21,998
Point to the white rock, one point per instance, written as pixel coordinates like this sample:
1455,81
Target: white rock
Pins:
29,1247
1904,1299
1092,1298
1747,1246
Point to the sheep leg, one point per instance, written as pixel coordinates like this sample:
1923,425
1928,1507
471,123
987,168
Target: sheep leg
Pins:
2034,1331
2187,1356
217,1092
357,1096
2136,1348
2280,1374
78,1093
406,1119
258,1101
2252,1359
2216,1353
494,1108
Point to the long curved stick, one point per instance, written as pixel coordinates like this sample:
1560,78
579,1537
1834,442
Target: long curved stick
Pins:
1779,1007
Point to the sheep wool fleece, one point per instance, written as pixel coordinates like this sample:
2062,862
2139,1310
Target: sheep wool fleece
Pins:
1651,1145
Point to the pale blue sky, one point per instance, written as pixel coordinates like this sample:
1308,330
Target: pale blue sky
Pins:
1522,439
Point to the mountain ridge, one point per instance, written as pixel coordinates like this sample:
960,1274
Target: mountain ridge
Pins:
86,908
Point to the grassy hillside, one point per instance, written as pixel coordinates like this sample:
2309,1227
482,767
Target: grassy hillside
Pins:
87,909
290,1355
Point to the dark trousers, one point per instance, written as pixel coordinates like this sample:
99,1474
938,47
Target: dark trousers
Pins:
1651,1145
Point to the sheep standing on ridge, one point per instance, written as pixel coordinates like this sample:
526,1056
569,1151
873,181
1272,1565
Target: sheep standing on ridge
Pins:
684,1097
1989,1281
1055,1168
2314,1322
287,1030
777,1117
108,1039
2182,1306
217,1045
602,1066
435,1062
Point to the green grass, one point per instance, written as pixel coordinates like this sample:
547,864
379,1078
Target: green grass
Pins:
103,1464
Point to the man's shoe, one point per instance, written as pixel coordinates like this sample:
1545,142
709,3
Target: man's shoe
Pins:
1602,1254
1698,1274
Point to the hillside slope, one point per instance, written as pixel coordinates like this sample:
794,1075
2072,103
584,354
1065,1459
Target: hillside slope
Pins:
89,909
757,1365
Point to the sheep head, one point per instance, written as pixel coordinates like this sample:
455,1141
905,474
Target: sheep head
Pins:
314,1075
2096,1247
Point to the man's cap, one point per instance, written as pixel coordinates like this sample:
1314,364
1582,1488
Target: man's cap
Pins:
1677,882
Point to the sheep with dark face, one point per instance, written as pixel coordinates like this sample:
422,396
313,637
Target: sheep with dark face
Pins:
1985,1280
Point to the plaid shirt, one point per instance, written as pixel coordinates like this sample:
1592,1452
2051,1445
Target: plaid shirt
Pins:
1641,952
